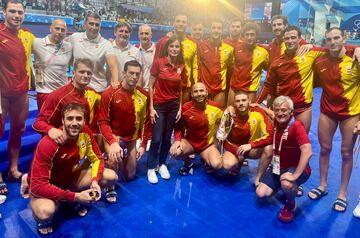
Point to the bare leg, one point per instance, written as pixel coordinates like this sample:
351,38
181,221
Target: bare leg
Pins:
18,109
43,210
265,155
186,96
212,157
347,146
130,162
231,97
305,118
220,98
326,134
252,97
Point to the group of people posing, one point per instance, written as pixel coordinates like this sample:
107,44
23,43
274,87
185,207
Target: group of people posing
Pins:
204,92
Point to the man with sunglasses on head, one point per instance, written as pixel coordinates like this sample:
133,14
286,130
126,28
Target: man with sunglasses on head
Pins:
91,45
52,56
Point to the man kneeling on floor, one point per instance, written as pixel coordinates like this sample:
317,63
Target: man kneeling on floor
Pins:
249,136
195,132
62,173
291,154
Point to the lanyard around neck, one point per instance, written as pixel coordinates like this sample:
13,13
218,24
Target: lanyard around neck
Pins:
282,136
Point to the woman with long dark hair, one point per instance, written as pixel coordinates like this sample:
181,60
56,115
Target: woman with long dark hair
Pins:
165,93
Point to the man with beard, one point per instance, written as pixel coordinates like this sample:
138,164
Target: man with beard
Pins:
123,49
277,47
62,172
52,56
250,60
215,63
250,136
291,154
195,132
189,50
146,54
91,45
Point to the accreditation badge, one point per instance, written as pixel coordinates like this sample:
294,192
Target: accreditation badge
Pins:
275,163
178,71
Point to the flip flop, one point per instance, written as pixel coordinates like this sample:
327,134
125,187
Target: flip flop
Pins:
318,194
341,203
44,225
300,191
80,209
111,193
2,187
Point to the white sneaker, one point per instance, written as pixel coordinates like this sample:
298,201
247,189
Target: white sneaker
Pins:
152,178
356,211
2,199
164,172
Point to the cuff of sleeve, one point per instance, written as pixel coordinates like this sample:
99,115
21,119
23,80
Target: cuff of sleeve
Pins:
143,143
71,197
112,140
253,145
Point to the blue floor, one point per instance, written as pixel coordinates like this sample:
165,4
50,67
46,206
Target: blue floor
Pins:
199,205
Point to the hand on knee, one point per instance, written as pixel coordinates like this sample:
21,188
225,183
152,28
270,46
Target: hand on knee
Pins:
262,192
287,186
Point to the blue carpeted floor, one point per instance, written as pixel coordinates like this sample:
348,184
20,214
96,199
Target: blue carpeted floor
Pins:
199,205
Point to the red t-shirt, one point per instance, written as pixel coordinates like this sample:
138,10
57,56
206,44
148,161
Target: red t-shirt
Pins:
168,80
290,148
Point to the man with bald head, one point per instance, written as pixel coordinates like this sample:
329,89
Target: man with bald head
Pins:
195,132
146,53
52,57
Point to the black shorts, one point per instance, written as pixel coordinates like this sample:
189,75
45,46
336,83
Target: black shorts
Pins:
273,180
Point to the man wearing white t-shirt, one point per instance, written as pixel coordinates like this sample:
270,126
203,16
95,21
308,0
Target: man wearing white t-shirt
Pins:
52,56
147,52
123,49
91,45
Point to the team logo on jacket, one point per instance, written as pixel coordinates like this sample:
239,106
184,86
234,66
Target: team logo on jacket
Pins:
188,46
226,51
82,144
253,121
140,101
4,41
